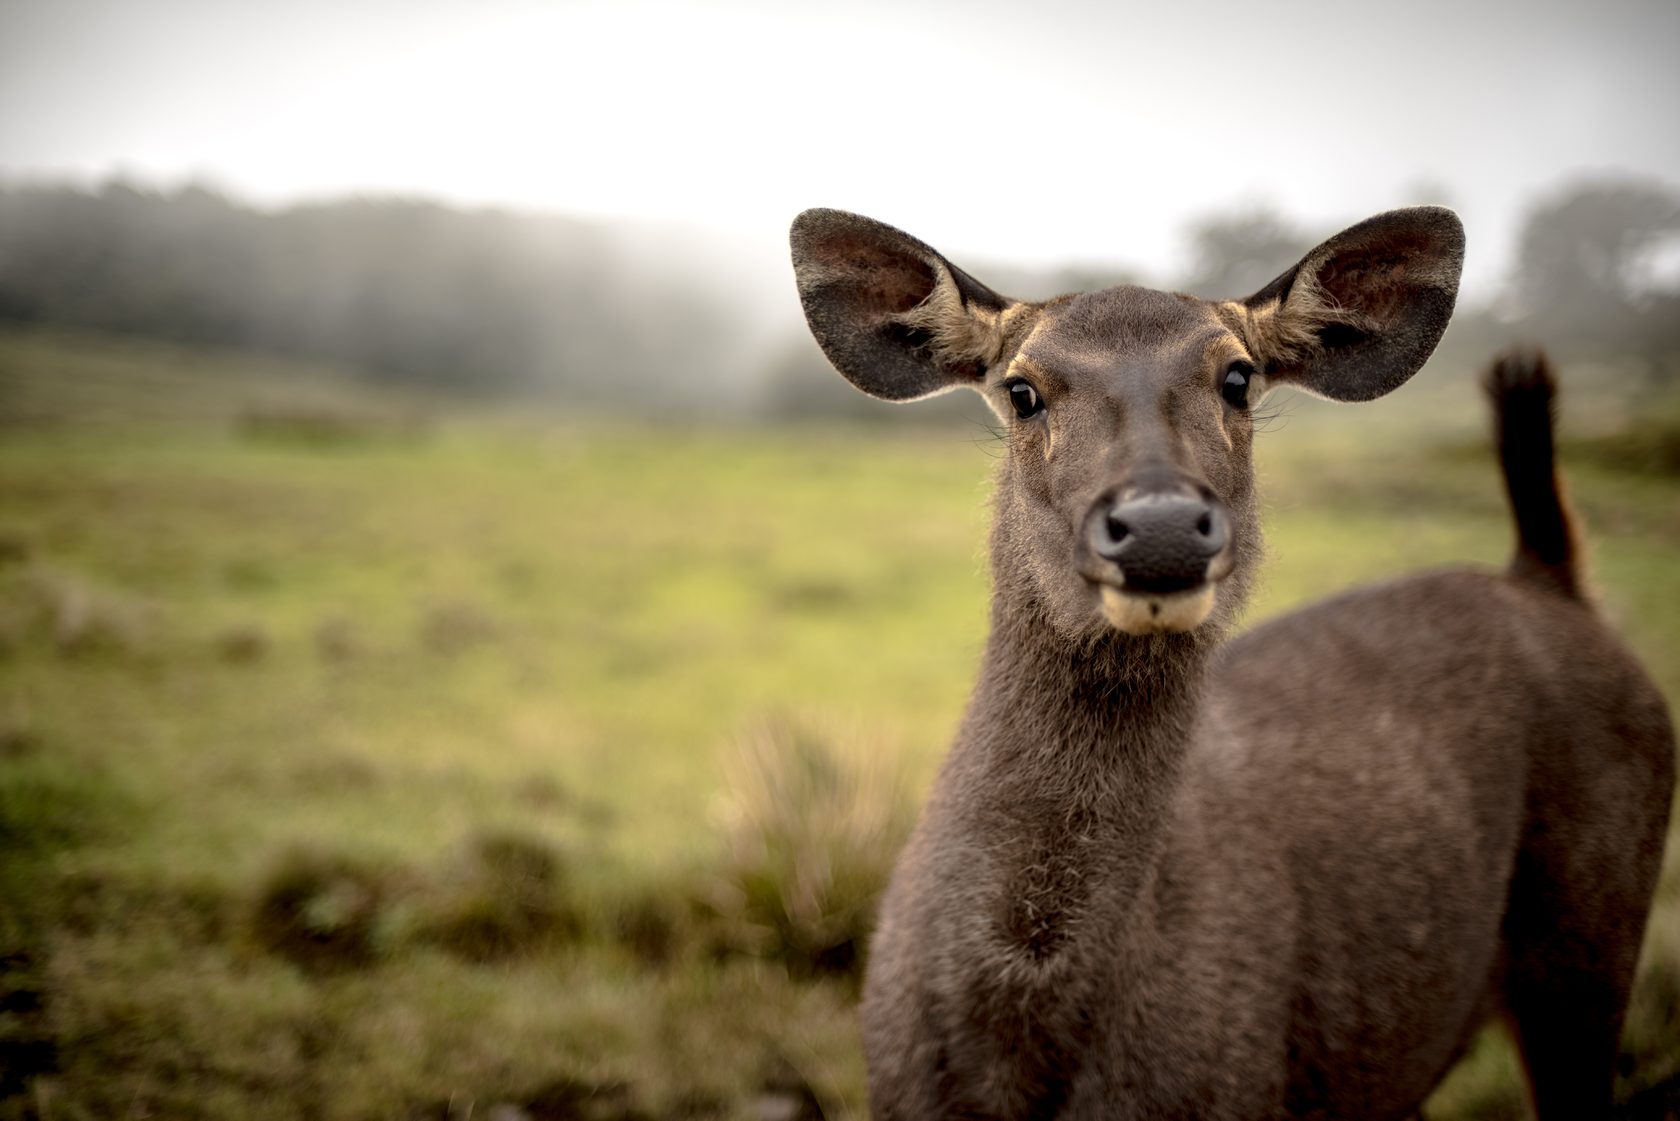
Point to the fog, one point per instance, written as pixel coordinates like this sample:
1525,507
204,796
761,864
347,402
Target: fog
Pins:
465,654
1082,132
587,203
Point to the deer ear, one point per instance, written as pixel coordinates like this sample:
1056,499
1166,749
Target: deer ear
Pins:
1362,312
896,318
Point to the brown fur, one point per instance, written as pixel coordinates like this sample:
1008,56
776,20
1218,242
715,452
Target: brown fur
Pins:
1281,337
1162,876
958,336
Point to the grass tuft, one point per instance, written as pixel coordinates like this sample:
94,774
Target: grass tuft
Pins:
453,628
15,548
812,824
26,1039
651,924
321,427
1647,446
74,616
336,640
505,894
242,644
321,911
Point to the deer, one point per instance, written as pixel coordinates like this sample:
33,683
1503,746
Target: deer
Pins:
1164,872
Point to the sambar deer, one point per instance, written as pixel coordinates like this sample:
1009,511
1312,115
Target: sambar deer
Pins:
1286,876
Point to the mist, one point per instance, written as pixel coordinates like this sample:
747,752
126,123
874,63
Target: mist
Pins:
466,653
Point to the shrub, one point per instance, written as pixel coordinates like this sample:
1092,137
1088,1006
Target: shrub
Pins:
242,643
505,894
656,920
812,825
320,427
320,910
74,616
453,628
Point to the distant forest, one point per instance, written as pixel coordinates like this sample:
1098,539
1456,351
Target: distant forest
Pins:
504,304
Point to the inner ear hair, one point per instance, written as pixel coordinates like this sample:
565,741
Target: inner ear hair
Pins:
1296,327
894,316
1362,311
963,339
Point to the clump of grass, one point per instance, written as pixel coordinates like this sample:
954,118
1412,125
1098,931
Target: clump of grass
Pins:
452,628
25,1035
571,1098
76,617
91,898
52,800
19,737
1646,447
812,825
506,894
242,644
321,910
15,547
814,595
327,427
654,921
336,640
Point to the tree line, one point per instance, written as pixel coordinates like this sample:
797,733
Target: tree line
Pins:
409,292
492,302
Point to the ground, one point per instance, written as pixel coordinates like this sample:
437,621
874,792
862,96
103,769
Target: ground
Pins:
368,757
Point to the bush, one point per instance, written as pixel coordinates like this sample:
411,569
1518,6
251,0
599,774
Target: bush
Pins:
320,910
812,826
505,895
72,615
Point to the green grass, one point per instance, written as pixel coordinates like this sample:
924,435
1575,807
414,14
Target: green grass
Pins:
267,636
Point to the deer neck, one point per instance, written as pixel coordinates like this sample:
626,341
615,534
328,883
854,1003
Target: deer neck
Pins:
1073,751
1084,716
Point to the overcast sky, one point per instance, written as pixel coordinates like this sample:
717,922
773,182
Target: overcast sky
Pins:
1038,131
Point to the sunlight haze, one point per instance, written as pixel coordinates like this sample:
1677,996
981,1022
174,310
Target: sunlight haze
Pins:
1064,132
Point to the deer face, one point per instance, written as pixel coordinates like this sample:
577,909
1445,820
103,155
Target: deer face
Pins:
1127,498
1127,495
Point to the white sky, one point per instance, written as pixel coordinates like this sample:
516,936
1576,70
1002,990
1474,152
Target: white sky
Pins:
1039,132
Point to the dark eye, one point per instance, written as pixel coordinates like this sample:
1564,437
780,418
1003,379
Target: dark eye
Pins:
1025,399
1235,386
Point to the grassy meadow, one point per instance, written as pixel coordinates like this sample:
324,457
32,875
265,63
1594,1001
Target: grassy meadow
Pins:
364,758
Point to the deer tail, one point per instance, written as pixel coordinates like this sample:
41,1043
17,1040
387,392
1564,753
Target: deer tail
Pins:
1523,390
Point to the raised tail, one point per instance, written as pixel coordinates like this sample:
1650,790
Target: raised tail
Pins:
1522,388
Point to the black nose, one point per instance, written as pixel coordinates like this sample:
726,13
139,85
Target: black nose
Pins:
1161,542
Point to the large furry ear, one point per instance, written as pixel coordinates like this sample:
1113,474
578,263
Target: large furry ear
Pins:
895,317
1362,312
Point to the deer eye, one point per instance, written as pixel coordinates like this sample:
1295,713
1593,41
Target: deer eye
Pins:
1026,400
1235,386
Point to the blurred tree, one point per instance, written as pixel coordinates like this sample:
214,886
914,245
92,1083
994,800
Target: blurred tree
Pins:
483,301
1234,255
1595,266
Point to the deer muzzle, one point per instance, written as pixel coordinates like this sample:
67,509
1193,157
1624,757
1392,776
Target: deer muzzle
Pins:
1156,556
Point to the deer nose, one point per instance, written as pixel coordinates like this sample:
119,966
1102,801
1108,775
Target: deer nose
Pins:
1160,542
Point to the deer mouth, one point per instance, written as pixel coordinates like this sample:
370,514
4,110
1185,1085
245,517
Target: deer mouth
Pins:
1156,612
1156,559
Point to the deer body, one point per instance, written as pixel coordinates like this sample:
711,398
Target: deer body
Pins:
1292,907
1161,877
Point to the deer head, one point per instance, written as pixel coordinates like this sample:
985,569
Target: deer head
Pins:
1127,497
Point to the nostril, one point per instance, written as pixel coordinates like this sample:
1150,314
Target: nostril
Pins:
1204,524
1117,529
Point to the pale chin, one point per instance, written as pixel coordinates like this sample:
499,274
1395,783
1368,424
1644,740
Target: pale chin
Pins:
1137,613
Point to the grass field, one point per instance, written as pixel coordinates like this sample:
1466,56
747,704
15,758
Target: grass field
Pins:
363,759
